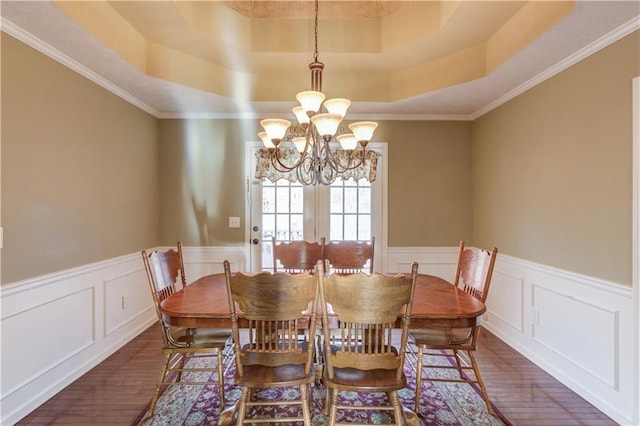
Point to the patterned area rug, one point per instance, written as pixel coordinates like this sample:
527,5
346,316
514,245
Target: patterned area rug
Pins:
448,404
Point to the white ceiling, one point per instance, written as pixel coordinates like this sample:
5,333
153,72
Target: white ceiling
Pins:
592,26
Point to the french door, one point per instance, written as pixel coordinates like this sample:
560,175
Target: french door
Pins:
345,210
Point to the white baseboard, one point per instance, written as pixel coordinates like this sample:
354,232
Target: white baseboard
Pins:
577,328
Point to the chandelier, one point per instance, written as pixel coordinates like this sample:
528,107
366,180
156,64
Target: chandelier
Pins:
315,154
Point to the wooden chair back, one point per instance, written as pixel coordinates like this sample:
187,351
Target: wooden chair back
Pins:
275,306
349,257
165,273
366,308
474,270
473,275
296,256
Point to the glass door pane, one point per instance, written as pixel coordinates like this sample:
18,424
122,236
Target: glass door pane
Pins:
350,210
282,216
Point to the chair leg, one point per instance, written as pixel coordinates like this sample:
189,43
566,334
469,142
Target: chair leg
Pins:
394,401
327,401
156,394
476,370
419,378
181,360
220,380
306,409
242,406
333,412
456,355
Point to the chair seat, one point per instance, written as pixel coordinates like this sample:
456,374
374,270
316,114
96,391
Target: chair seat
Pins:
437,337
378,380
284,375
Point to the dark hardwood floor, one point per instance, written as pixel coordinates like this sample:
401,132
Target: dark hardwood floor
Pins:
117,390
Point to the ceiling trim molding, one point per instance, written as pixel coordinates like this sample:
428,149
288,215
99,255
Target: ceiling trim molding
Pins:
601,43
259,116
46,49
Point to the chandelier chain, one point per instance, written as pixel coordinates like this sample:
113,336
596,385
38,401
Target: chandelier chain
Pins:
315,33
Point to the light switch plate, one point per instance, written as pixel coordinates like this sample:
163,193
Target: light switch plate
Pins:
234,222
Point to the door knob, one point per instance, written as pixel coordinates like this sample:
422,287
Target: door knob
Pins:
255,241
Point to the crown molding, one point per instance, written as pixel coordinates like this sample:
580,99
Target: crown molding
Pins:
46,49
259,116
601,43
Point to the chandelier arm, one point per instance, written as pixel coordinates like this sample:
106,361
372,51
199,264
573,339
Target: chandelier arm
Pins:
333,173
285,168
307,175
341,168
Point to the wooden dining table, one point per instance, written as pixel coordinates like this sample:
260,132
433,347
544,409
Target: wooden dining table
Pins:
436,303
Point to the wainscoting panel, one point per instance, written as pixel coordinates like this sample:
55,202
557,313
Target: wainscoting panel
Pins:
577,328
201,261
579,331
68,330
126,298
438,261
75,319
506,301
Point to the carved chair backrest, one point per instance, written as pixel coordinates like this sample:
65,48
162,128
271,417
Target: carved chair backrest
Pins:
296,256
364,309
348,257
274,306
474,270
165,273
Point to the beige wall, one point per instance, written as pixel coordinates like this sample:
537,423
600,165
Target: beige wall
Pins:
79,169
203,181
429,182
546,177
552,169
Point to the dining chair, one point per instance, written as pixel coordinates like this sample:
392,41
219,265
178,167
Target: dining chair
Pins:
186,350
364,355
270,353
473,275
296,256
349,257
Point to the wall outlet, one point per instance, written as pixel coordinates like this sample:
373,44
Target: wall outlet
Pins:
234,222
125,302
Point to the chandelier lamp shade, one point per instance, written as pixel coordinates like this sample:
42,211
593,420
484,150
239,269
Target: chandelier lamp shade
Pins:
317,150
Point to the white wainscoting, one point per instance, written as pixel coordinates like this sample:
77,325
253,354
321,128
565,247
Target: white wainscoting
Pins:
55,328
577,328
